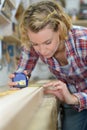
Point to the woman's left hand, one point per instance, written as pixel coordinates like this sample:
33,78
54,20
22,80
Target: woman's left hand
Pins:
60,90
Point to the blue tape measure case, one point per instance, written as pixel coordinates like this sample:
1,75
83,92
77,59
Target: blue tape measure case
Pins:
21,79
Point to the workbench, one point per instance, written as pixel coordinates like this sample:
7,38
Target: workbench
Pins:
28,109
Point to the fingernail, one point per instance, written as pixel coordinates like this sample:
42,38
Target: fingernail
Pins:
16,83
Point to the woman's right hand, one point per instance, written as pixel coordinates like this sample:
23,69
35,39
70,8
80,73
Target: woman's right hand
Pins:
12,84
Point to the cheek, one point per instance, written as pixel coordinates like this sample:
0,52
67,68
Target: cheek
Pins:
36,48
54,46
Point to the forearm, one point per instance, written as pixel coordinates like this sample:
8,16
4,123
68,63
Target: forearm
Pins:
28,61
22,60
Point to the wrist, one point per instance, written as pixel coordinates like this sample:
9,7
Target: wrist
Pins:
75,100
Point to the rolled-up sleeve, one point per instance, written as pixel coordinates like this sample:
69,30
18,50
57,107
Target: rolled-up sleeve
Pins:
27,61
82,98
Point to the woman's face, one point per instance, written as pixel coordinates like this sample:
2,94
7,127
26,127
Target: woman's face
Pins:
45,42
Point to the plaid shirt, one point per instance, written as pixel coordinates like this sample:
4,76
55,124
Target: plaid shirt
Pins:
76,53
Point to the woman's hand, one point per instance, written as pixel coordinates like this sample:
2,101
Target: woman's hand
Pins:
11,84
60,90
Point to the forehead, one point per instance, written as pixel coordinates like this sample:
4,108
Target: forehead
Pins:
43,34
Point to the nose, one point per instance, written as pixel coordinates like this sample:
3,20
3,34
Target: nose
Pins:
42,49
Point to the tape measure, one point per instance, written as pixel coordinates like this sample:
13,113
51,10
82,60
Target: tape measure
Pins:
21,79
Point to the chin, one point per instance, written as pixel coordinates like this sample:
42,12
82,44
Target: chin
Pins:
49,56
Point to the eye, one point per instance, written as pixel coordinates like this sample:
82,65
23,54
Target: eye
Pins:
47,43
33,44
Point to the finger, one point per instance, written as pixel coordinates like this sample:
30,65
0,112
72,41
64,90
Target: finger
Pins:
48,84
25,72
55,88
14,88
49,91
11,84
11,76
56,93
54,83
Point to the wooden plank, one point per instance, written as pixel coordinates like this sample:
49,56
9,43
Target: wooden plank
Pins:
17,109
46,116
9,91
28,109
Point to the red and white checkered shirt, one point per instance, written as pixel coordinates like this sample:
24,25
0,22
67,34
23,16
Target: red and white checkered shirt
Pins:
76,53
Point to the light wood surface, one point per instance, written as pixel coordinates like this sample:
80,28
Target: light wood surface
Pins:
28,109
17,109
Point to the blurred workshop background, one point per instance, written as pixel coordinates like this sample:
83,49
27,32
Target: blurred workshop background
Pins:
10,16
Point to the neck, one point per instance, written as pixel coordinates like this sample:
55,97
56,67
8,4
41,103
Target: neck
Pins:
60,54
60,49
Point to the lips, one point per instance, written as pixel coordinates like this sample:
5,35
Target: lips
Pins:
47,56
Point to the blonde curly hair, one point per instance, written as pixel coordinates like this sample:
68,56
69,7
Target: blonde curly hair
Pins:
45,13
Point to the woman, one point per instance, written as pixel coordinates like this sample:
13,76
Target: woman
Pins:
47,32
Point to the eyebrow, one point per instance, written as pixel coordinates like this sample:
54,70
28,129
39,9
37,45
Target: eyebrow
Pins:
42,42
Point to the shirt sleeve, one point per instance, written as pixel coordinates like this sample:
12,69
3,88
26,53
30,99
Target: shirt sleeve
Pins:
82,98
27,61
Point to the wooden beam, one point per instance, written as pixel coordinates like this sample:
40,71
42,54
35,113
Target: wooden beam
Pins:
18,108
28,109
